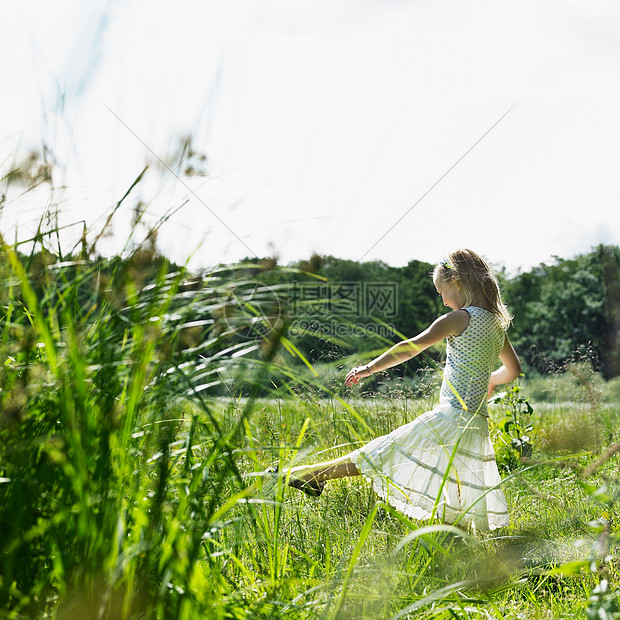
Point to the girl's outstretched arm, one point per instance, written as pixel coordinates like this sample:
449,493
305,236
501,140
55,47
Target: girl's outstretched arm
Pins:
453,323
510,370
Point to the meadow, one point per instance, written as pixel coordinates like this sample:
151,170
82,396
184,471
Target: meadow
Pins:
138,414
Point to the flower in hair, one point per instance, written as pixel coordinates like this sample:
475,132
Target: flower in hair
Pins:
447,264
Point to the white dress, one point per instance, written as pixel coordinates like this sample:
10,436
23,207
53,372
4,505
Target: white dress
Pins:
408,466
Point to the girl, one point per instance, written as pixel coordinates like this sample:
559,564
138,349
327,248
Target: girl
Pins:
441,463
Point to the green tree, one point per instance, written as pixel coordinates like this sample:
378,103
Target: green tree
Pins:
568,309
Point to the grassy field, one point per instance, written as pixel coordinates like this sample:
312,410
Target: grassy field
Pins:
345,555
128,490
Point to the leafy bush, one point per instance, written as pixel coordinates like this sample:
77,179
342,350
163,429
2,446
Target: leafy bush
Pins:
513,434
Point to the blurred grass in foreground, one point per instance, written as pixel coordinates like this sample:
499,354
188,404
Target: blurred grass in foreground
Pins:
110,483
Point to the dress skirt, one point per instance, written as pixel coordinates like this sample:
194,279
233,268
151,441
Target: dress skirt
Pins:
408,468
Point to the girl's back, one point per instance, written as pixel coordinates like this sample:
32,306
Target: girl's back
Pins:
471,357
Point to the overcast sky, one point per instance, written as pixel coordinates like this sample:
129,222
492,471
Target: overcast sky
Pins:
324,123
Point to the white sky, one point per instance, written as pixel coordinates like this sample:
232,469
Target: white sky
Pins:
323,122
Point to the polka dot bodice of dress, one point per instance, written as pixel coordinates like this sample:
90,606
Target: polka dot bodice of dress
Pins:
471,357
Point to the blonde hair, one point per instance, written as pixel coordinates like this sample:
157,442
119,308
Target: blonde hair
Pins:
474,278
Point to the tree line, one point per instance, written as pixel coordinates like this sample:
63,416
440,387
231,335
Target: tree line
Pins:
564,311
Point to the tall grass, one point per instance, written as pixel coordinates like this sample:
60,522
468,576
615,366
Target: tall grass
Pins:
111,484
131,439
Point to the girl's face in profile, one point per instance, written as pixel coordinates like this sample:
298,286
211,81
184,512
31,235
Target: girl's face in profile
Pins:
450,295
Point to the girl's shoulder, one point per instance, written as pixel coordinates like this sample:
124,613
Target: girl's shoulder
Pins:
458,321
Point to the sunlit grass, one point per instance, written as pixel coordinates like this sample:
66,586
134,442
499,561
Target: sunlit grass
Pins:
507,573
138,413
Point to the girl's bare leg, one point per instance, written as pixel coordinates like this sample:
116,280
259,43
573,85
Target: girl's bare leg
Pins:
328,470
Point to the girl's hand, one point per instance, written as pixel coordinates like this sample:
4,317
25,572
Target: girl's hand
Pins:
357,373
